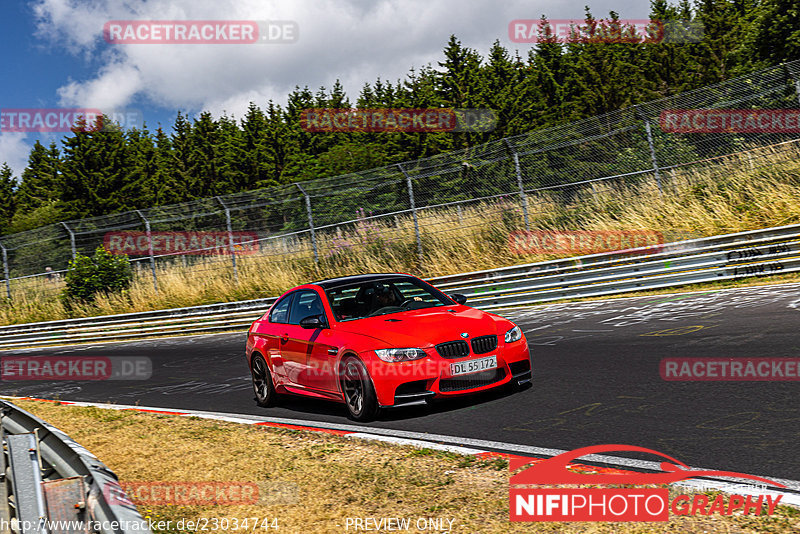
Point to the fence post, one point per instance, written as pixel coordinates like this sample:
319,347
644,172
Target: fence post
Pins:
230,238
795,81
522,196
652,151
310,222
413,211
5,270
797,89
71,239
150,248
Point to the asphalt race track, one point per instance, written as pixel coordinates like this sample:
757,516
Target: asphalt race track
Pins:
596,381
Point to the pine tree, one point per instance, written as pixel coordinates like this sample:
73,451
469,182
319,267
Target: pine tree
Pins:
776,31
671,66
459,86
725,24
606,74
205,157
253,152
417,91
233,175
95,170
540,95
7,200
502,76
140,185
41,183
181,170
165,188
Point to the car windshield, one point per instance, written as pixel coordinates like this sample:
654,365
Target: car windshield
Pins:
382,297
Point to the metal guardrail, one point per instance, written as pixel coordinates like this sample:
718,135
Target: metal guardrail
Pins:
209,318
763,252
44,460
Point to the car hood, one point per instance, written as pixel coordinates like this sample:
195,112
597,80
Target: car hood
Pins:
424,328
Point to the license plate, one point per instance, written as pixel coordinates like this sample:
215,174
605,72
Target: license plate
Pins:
473,366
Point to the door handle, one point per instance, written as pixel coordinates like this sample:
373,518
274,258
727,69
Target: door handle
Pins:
285,338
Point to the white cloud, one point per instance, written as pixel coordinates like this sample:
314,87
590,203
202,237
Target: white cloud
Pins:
14,150
354,40
72,24
114,87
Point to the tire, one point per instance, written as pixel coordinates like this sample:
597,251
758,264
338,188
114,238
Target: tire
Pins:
358,390
263,387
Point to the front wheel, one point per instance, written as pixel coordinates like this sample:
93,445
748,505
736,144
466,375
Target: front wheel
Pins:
262,382
359,393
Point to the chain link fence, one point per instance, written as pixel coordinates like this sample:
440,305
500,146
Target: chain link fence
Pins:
315,220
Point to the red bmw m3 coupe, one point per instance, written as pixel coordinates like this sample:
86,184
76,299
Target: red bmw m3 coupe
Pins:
379,340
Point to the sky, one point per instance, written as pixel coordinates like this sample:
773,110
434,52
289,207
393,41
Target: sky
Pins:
54,53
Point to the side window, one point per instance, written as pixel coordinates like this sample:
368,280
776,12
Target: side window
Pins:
306,303
280,313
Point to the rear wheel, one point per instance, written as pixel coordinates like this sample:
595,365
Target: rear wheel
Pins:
262,382
359,393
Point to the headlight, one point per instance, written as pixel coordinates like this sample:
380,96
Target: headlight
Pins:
515,334
400,355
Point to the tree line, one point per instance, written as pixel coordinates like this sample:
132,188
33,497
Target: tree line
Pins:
113,170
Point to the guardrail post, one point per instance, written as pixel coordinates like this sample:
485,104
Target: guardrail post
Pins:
71,239
522,196
310,222
413,210
230,238
24,464
5,270
150,248
652,151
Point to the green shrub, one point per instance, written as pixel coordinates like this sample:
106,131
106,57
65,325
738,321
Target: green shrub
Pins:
103,273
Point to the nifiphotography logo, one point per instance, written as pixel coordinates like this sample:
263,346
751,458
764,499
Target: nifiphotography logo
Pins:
598,503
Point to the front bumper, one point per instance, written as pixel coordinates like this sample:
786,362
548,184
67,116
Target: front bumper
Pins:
415,382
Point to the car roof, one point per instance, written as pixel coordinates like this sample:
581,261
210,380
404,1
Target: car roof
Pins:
332,283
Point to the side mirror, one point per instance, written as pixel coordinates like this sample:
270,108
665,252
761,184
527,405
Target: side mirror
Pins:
459,298
312,322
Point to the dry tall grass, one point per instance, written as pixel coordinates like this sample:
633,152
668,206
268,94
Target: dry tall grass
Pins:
747,191
333,477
